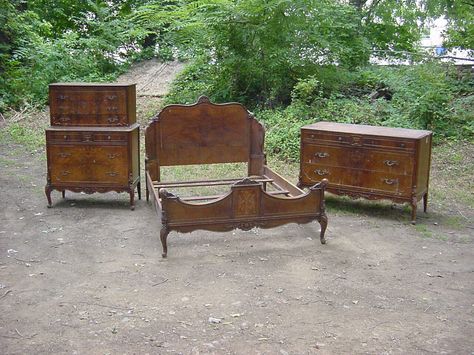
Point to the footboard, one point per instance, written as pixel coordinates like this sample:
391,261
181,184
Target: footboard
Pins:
247,205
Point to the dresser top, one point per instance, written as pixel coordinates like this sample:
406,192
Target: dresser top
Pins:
93,84
367,130
93,128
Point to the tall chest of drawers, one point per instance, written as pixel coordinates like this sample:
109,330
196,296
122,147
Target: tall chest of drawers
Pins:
93,144
367,161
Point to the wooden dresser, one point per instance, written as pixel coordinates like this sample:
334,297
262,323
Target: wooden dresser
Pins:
93,142
367,161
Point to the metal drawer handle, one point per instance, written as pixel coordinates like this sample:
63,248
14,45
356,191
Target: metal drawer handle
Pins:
321,154
111,97
64,155
321,172
390,181
113,119
112,156
62,97
87,137
391,162
65,173
112,108
112,173
64,119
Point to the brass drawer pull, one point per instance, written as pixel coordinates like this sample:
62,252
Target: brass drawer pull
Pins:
321,154
112,155
390,181
64,155
391,162
113,119
321,172
112,173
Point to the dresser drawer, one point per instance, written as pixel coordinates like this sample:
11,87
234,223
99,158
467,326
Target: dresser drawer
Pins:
358,158
88,163
313,173
384,182
64,137
375,181
356,140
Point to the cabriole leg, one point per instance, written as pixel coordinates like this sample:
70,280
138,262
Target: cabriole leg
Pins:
413,211
47,191
323,221
132,198
163,236
425,202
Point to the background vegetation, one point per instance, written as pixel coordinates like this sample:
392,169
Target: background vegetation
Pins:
292,62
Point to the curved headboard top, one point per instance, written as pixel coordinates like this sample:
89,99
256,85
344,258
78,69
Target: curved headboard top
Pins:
203,133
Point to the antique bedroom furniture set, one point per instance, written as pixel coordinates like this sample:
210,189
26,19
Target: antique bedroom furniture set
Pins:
93,146
93,142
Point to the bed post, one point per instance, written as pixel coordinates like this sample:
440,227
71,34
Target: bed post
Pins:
152,166
257,157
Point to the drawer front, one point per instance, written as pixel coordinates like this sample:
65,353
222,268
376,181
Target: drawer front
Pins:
88,106
88,164
373,181
392,183
358,158
65,137
356,140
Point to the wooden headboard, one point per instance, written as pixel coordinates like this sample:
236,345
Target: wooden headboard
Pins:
204,133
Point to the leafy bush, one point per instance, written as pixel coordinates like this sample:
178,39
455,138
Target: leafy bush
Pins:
426,96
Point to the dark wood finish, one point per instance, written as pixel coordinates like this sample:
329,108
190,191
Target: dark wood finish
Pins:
82,104
206,133
83,154
367,161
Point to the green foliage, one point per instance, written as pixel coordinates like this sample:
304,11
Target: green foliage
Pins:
36,53
427,96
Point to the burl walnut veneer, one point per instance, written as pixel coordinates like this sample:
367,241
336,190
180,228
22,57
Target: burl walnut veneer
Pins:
93,142
367,161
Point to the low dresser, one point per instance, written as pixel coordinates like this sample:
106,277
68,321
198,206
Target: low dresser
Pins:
367,161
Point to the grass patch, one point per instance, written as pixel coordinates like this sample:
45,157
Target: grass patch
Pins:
424,231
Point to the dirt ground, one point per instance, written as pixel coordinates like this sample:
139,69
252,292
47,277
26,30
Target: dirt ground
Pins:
87,277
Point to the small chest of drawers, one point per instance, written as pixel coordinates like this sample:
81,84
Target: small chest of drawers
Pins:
367,161
93,142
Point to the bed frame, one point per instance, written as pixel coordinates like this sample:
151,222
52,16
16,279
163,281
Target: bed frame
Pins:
207,133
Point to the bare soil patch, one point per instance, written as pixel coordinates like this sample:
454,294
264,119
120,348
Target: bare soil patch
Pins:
87,277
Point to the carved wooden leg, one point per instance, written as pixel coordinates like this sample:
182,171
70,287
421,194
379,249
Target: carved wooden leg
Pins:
47,191
139,189
163,236
132,198
323,221
413,210
63,193
425,201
